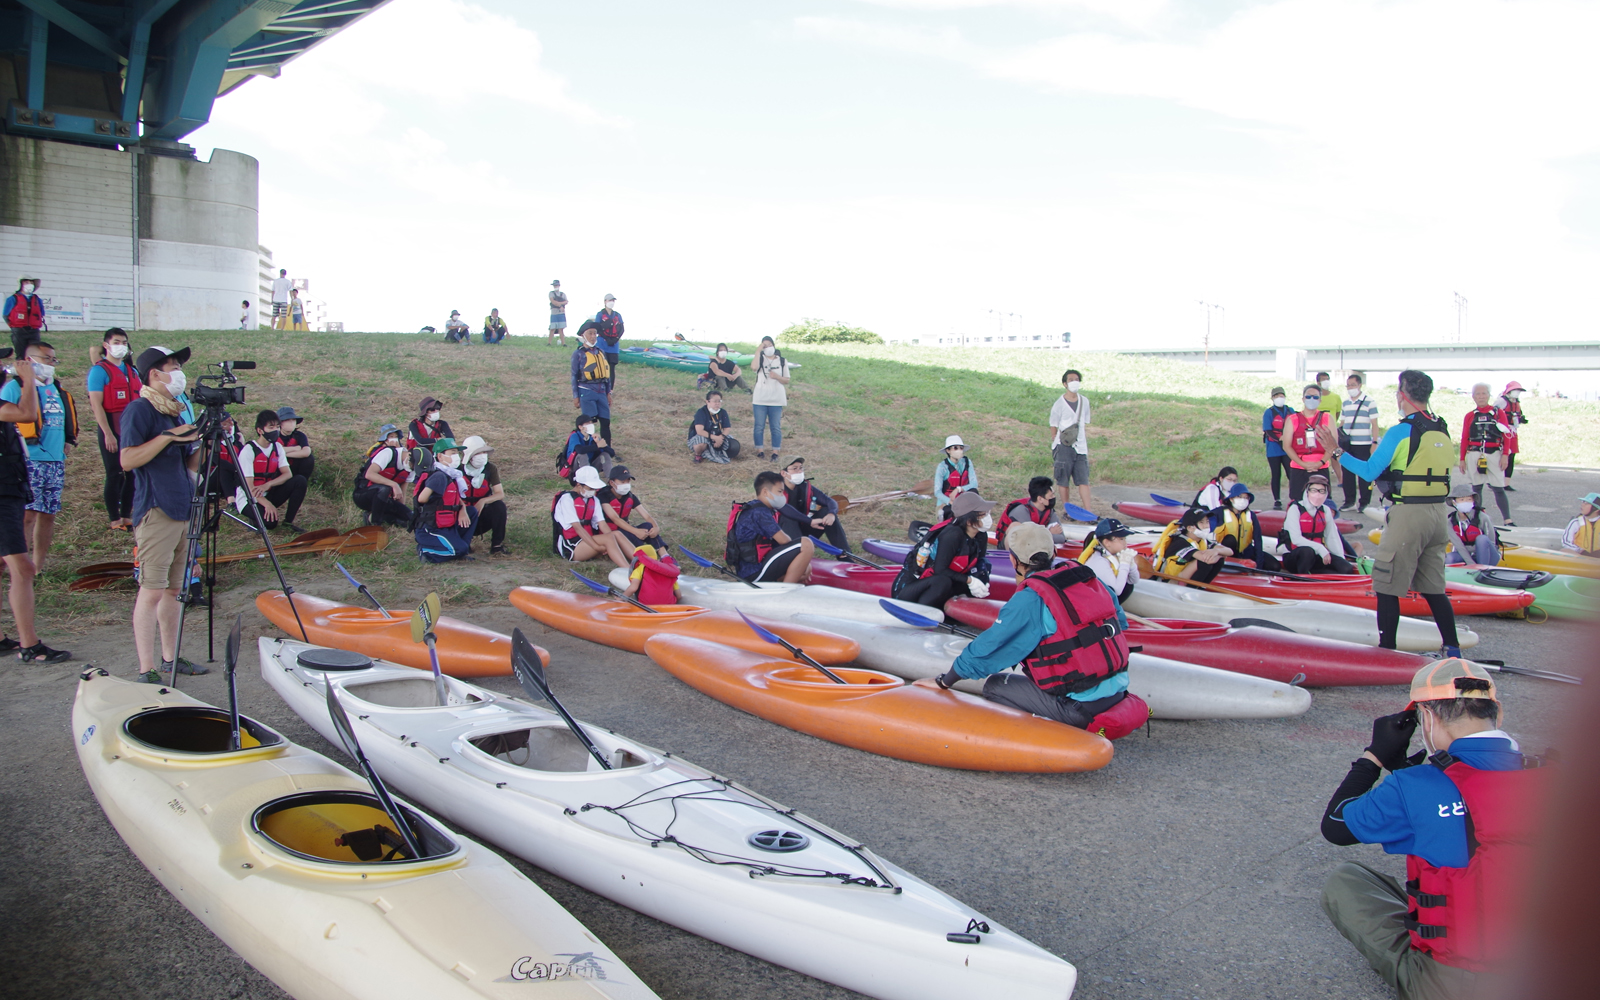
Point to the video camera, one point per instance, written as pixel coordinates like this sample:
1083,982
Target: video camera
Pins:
227,391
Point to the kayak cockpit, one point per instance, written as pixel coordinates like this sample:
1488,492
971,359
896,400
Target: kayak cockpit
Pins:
408,692
198,731
347,827
550,748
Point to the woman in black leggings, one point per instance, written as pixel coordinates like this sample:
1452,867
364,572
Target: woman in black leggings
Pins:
113,384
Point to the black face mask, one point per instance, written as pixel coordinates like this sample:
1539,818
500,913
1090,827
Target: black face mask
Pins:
271,436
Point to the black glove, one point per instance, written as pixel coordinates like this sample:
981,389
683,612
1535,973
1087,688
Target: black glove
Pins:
1391,738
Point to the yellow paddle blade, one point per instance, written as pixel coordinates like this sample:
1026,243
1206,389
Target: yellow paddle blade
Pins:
430,610
417,628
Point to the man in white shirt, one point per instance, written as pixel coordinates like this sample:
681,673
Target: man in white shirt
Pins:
272,485
280,300
1069,430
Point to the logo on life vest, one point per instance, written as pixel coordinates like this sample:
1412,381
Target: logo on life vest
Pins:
1448,809
578,966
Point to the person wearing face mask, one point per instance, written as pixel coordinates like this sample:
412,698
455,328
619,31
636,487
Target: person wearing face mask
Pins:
1310,535
113,383
953,476
558,314
1038,507
1510,403
1070,636
1464,811
1330,402
584,447
579,531
50,439
292,435
380,485
158,449
445,520
708,432
485,494
1184,551
1069,430
591,371
951,558
1306,454
24,311
770,395
1273,421
809,511
22,406
608,323
756,547
724,373
429,426
1107,553
1358,431
1474,535
1484,434
273,486
1234,527
1214,494
456,330
1583,532
618,502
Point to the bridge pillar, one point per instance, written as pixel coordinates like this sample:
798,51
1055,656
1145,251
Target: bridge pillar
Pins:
1291,366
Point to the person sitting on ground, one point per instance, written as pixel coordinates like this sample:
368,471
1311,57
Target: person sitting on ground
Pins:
1485,432
809,511
273,486
1306,454
1463,812
1215,493
653,580
456,330
428,427
1234,527
1038,507
1473,531
1583,532
953,476
380,485
584,447
1070,636
1107,553
579,529
757,548
618,502
708,432
725,374
494,328
952,557
1184,551
1310,536
445,521
485,494
292,435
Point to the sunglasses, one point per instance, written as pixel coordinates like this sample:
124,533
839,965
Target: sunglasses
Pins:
1313,399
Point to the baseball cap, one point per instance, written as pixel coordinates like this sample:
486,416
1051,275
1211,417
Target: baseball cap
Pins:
610,297
442,445
1027,540
619,474
587,476
1108,527
971,503
1592,499
151,357
1451,678
1277,390
954,440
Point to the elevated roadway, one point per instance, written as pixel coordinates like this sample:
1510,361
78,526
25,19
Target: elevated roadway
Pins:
1560,355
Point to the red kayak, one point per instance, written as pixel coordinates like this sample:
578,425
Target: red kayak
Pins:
1164,514
1259,652
877,582
1355,590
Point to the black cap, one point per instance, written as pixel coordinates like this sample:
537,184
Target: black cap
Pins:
1110,527
618,474
152,357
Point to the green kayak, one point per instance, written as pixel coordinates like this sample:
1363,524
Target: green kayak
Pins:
636,356
682,347
1557,595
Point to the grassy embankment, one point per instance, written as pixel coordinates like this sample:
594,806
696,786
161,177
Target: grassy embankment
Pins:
867,420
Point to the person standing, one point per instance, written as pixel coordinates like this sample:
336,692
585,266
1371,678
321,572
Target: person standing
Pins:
292,435
157,450
1310,536
297,311
1273,421
1411,552
244,315
273,486
953,476
281,286
24,311
1474,535
1484,432
1330,403
1069,429
591,378
1510,403
770,395
610,323
114,383
14,498
494,328
1583,532
1301,432
1358,423
558,314
50,439
380,485
809,511
485,494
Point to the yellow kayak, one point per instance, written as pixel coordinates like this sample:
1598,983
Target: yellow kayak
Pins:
1531,557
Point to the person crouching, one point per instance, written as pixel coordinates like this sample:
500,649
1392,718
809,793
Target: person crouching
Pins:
952,557
1069,633
444,518
273,486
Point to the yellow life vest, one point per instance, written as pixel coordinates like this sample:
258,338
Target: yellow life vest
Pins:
1091,545
1420,469
1588,536
595,366
1173,537
1241,529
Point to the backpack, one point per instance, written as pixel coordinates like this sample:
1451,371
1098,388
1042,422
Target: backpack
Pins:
926,544
731,553
564,461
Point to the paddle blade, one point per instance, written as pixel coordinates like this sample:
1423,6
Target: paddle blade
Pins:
418,629
597,587
906,615
353,581
231,650
824,546
341,725
1077,513
698,560
1158,498
771,637
525,664
430,610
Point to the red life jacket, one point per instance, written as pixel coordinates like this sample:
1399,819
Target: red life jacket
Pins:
623,506
1028,513
1469,532
1302,454
929,549
1466,917
950,480
476,493
392,472
1088,644
419,433
1313,525
1276,433
584,506
736,553
27,313
266,464
447,507
121,387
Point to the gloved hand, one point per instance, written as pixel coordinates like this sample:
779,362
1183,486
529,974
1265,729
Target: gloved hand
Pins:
1128,557
977,587
1391,738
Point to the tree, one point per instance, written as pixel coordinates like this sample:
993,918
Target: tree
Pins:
814,331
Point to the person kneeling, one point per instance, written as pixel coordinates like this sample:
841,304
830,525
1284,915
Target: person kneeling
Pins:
273,487
756,547
579,531
1070,635
1310,533
1472,532
380,485
1183,552
951,558
444,518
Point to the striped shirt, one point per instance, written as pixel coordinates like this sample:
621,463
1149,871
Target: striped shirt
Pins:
1359,417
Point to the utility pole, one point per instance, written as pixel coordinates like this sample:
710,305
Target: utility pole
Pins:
1210,307
1461,315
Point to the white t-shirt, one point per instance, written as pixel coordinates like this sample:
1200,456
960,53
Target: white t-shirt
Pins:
1111,571
280,289
567,513
770,392
247,461
244,318
382,459
1064,416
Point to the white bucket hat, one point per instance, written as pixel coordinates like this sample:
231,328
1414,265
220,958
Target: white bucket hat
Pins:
472,446
953,440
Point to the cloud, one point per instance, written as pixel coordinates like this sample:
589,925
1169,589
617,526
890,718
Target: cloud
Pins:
1132,13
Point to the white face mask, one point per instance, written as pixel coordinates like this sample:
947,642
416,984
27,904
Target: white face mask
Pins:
623,489
1466,506
27,288
722,354
452,461
42,372
1514,395
1324,384
1279,400
117,351
714,408
1241,503
1353,393
956,453
477,462
432,417
392,443
797,478
987,523
585,492
588,430
1073,387
769,351
177,381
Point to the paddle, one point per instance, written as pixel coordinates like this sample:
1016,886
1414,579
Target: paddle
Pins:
422,631
611,591
231,662
708,564
1258,623
1295,577
1167,501
799,654
1146,622
1548,675
1079,513
347,736
363,589
921,621
530,674
1213,587
846,556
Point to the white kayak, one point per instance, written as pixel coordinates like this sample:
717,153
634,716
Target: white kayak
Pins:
279,851
784,600
1172,689
1154,599
1539,538
669,839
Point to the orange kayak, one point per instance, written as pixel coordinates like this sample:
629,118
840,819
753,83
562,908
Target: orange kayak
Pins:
623,626
465,650
879,713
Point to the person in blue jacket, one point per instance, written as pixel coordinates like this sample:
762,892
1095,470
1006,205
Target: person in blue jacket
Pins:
1273,420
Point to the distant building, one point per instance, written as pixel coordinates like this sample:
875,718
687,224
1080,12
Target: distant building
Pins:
1037,340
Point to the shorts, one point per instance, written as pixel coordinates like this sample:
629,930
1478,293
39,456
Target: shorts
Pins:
280,309
777,564
161,542
558,321
565,547
46,480
594,402
1070,465
12,541
1492,474
1410,555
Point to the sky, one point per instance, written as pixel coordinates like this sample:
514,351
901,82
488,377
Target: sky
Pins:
1322,171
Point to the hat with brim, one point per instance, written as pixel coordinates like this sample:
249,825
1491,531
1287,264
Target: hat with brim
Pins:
1108,527
287,413
386,430
588,476
429,403
1317,480
970,503
1592,499
443,445
1277,390
1449,679
1460,490
1028,541
152,358
1241,490
474,445
954,441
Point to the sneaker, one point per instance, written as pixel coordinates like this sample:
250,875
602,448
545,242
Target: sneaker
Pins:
1509,524
1510,488
149,677
499,550
41,653
1277,505
185,667
761,454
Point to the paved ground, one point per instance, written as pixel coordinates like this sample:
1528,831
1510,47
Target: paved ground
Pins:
1189,867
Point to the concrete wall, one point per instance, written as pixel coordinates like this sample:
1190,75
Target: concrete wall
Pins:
67,218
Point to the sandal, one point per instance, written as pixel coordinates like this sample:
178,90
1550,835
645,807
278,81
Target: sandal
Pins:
7,644
40,653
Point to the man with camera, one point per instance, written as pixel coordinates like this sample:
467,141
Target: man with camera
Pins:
157,447
1464,812
273,486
